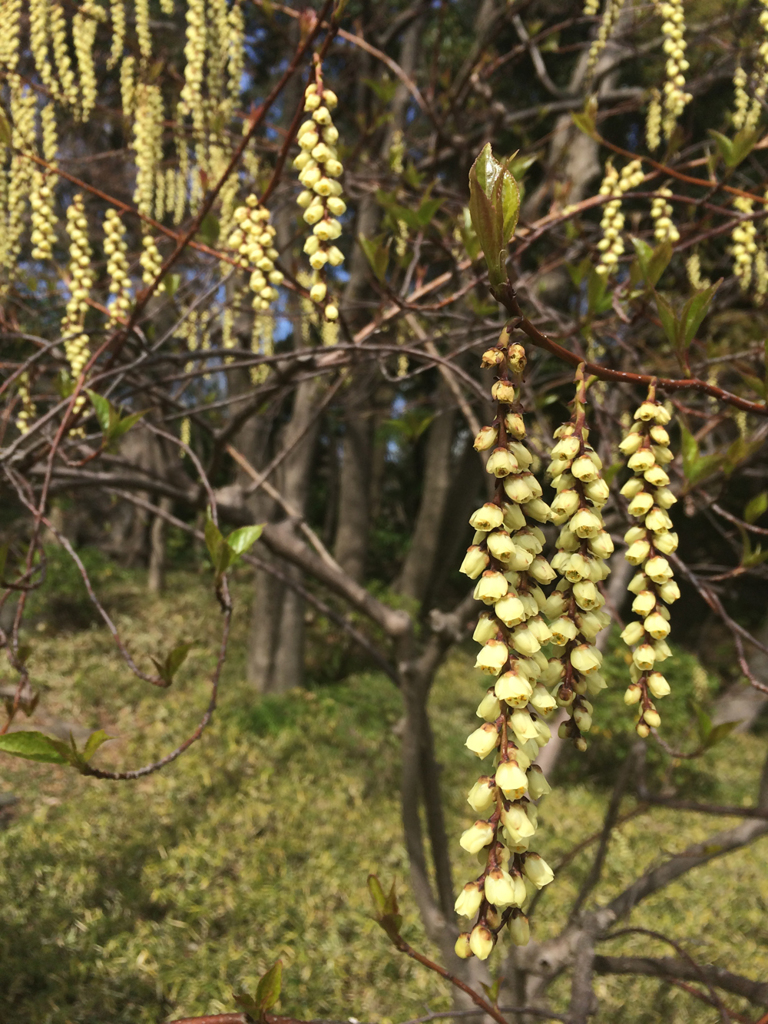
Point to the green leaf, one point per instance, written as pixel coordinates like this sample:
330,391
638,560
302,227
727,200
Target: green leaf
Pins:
469,235
35,746
585,120
171,284
718,733
757,385
668,319
599,299
724,146
703,724
103,408
755,508
733,152
243,539
209,229
653,262
427,210
268,989
377,894
117,430
213,539
704,467
247,1003
92,744
377,255
494,203
694,312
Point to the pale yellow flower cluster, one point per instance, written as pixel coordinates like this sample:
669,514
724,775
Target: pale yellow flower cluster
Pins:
611,245
19,180
117,15
673,30
506,560
253,240
607,23
115,248
591,7
649,496
44,218
744,245
84,25
319,170
664,228
80,284
575,608
653,121
147,144
27,409
150,259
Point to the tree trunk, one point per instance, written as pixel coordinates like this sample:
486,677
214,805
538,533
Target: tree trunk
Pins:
416,576
156,576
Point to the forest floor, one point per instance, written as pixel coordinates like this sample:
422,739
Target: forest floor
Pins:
134,903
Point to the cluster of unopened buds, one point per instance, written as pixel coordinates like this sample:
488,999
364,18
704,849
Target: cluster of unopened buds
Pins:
115,249
506,560
661,213
744,245
253,240
649,542
81,282
43,235
321,199
673,30
611,245
150,259
575,608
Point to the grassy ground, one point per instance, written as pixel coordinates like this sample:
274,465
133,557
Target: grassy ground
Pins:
137,902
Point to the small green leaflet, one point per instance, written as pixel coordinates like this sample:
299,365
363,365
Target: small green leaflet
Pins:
223,551
113,425
36,746
170,665
267,993
494,205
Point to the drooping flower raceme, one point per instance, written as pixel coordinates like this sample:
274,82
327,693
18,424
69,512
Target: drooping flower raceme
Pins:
650,541
575,608
505,558
319,170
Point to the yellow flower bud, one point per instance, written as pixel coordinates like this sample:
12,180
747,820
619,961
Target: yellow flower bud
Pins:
519,930
481,942
501,463
513,688
537,870
486,518
483,740
490,587
499,889
469,899
482,796
331,312
492,657
511,781
318,291
669,591
462,948
523,725
486,438
503,391
474,562
586,659
476,837
641,504
633,633
584,469
658,569
652,718
644,657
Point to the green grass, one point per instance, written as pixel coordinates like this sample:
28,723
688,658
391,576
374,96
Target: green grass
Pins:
139,902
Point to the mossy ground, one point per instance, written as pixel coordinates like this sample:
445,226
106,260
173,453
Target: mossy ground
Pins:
133,903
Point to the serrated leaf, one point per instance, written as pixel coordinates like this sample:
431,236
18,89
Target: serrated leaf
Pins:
268,989
35,746
119,429
755,507
736,150
653,262
92,744
103,409
724,146
704,467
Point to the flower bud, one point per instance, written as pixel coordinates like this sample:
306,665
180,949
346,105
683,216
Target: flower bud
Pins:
586,524
511,781
538,627
537,870
644,657
656,476
499,889
631,443
482,796
652,718
632,487
662,650
586,659
513,688
492,357
657,626
490,587
481,942
597,491
669,592
492,657
517,489
489,707
538,510
664,497
644,603
517,358
514,519
584,469
524,642
633,633
521,453
469,899
510,610
517,822
523,725
476,837
485,630
565,505
658,569
474,562
519,930
537,783
487,518
641,504
500,546
543,700
632,694
501,463
587,595
483,740
486,438
659,434
642,729
637,553
658,685
317,291
513,421
553,673
541,570
462,948
555,606
566,449
503,391
666,543
641,460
